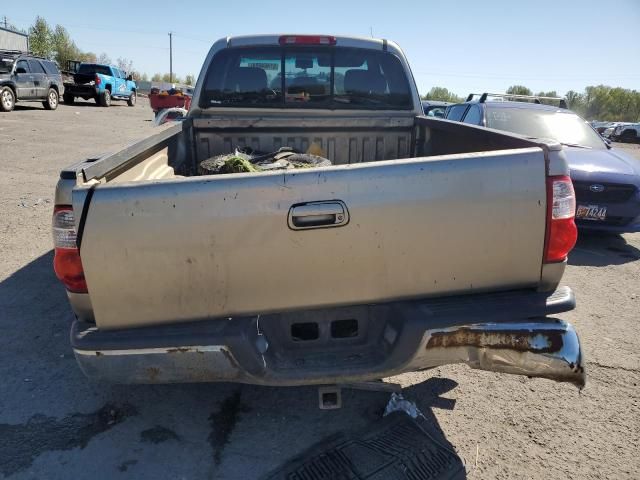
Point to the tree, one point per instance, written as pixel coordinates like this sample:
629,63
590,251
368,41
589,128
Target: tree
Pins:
125,65
157,77
103,59
64,48
574,100
144,77
189,80
519,90
40,38
442,94
88,57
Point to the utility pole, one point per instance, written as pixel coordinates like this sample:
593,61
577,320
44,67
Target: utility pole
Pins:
5,22
170,58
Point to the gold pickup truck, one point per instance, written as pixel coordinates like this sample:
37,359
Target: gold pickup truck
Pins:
424,243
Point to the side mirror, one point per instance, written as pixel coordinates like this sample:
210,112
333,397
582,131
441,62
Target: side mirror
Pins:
129,77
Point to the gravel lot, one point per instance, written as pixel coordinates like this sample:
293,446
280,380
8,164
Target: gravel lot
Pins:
56,425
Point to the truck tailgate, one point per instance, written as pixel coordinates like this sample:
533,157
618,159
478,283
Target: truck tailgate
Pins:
204,247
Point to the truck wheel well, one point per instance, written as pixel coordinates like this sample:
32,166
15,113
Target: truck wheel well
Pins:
108,87
55,87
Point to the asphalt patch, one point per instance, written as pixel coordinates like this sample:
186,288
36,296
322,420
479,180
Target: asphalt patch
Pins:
124,466
223,422
21,444
158,434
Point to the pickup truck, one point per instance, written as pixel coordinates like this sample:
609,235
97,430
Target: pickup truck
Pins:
102,83
425,243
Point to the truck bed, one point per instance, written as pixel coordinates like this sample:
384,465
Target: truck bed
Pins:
426,226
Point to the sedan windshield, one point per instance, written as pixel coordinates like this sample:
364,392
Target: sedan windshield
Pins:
566,128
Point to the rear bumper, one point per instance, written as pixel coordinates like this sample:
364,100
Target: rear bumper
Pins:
508,332
84,91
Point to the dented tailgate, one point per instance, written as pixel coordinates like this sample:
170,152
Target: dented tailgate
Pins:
204,247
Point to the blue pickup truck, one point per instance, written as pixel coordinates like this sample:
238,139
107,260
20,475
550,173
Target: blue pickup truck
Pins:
103,83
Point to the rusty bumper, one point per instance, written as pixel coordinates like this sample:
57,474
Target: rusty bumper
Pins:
535,349
484,332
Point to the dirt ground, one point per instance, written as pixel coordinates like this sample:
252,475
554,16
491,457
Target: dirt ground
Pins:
54,424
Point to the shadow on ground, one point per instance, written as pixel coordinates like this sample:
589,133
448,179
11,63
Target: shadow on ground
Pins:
55,424
601,250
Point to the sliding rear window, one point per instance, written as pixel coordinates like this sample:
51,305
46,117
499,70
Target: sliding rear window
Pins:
306,77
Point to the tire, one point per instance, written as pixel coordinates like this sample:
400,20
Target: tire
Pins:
68,99
105,98
7,99
132,99
51,103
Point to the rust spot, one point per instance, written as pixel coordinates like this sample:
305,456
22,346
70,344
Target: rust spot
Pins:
545,341
153,373
178,350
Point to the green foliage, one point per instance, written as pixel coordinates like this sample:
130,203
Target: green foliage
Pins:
189,80
41,38
442,94
519,90
64,48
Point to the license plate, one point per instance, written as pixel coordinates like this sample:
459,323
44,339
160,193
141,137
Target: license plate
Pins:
591,212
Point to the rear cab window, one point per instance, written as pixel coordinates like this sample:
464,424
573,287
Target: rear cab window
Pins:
91,69
306,77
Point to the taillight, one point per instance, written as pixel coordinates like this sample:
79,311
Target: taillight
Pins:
66,260
561,226
98,81
307,40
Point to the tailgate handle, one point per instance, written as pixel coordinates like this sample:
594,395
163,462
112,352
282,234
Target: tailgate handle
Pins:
322,214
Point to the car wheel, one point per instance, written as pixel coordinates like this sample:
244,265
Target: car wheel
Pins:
105,98
132,99
7,99
51,103
68,99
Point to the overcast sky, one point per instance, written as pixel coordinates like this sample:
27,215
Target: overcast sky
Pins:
466,46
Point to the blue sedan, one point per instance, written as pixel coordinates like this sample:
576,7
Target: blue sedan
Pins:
606,180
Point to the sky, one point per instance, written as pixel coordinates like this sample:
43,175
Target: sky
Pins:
465,46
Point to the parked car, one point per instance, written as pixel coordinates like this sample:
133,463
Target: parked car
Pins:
434,108
102,83
27,78
609,129
380,263
606,180
626,133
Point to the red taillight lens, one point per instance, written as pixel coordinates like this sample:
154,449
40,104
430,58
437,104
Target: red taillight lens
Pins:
66,260
561,226
307,40
98,81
